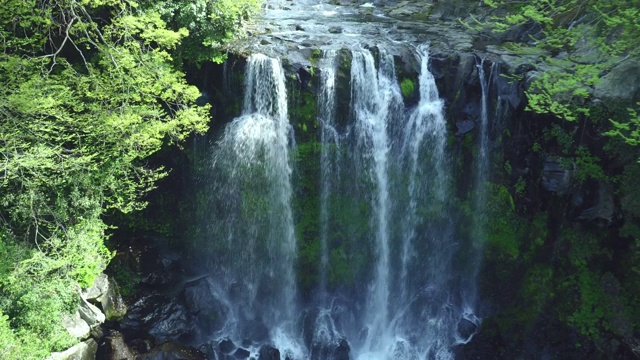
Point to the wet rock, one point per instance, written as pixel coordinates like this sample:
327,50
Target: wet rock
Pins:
85,350
466,329
342,351
621,83
335,30
202,301
508,91
99,287
112,303
203,99
241,353
602,206
76,326
227,346
173,351
256,330
116,348
556,178
141,345
160,267
90,313
464,126
159,316
268,352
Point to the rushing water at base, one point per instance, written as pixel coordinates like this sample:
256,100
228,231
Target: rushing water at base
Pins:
253,189
385,240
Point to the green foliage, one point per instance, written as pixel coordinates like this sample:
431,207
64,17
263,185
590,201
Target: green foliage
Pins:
588,166
210,24
89,92
407,86
504,231
628,130
567,71
562,138
537,287
303,115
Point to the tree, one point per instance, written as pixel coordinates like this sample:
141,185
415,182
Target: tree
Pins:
211,23
577,42
90,90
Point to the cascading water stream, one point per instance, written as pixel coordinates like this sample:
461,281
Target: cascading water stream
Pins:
329,166
384,209
253,186
426,127
373,95
481,178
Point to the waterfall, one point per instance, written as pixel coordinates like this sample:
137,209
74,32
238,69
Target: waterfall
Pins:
374,95
384,221
481,177
329,166
253,200
423,135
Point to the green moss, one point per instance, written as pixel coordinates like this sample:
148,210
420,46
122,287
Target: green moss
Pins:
303,115
408,87
504,230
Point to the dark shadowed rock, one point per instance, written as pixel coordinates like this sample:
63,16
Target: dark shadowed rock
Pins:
342,351
466,329
601,206
268,352
116,348
203,303
227,346
158,316
173,351
464,126
241,353
621,83
555,177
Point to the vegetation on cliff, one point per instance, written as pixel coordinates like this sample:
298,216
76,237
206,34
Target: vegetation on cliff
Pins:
571,253
90,90
576,43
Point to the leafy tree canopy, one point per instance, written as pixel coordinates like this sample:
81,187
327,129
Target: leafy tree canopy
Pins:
578,41
90,89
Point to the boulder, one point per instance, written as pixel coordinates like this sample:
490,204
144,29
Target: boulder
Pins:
466,329
602,205
160,267
268,352
159,316
90,313
112,303
621,83
203,302
99,287
227,346
76,326
117,348
85,350
556,178
241,353
342,351
464,126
